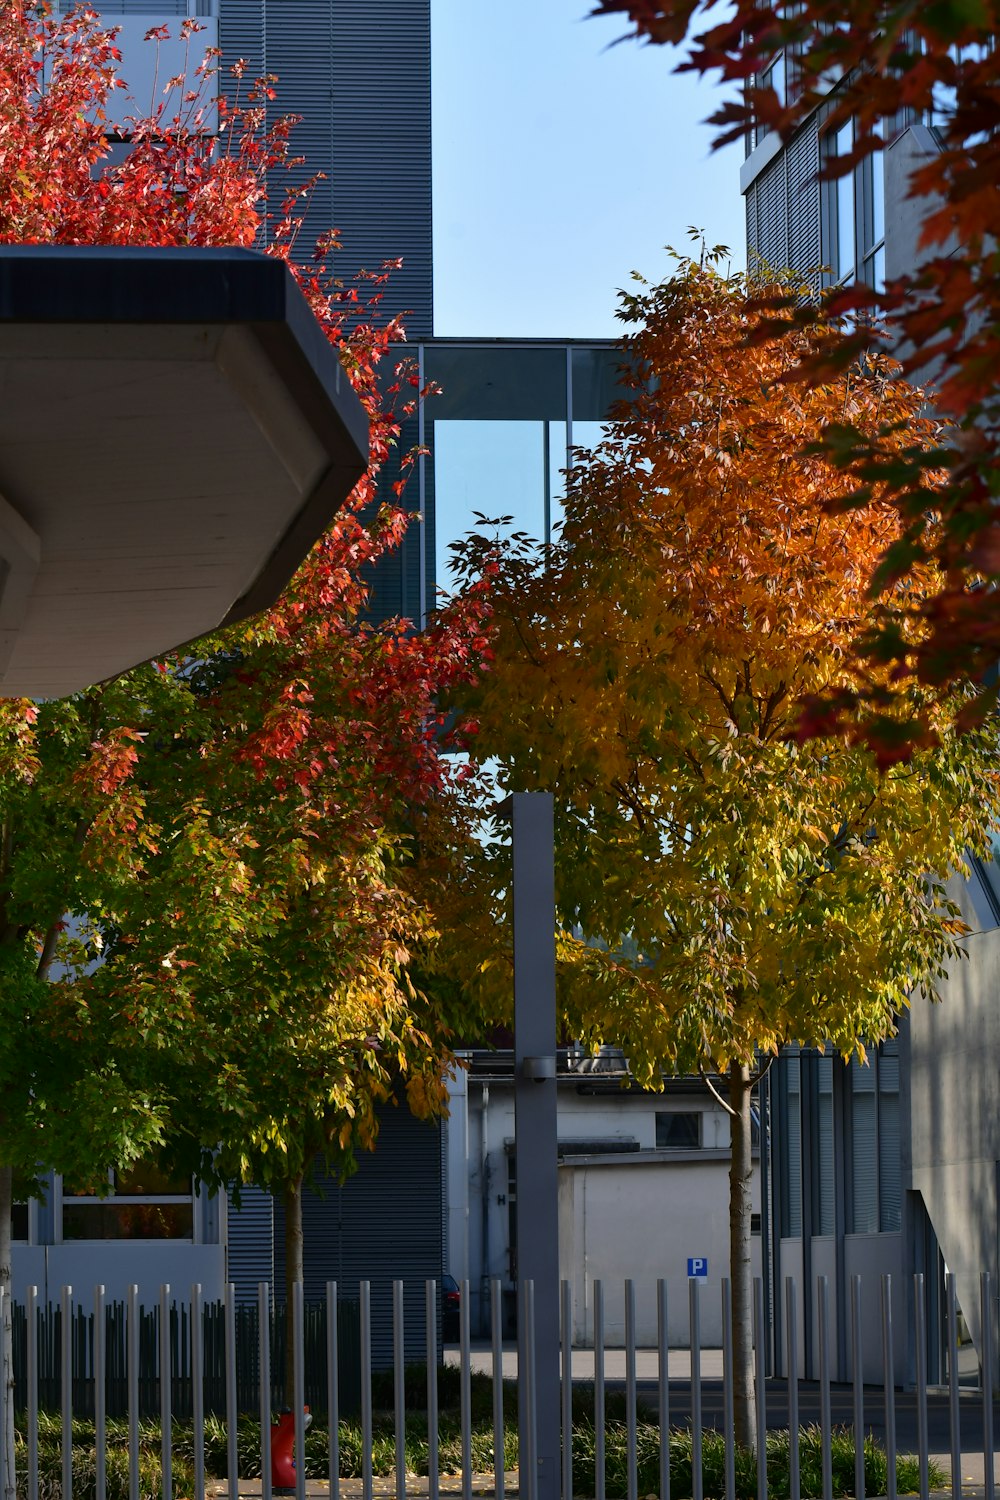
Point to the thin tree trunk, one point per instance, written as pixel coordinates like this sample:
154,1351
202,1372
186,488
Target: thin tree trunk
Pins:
293,1273
740,1182
6,1329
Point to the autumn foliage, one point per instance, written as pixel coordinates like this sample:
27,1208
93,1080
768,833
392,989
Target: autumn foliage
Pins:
233,832
895,65
725,887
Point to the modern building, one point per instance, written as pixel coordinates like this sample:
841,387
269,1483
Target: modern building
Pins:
892,1168
626,1157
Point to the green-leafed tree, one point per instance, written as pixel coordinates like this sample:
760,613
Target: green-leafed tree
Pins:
722,887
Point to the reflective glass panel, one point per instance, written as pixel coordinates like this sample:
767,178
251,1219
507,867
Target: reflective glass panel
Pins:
131,1221
497,468
845,206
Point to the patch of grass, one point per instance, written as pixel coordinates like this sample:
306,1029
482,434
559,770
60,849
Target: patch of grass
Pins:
450,1450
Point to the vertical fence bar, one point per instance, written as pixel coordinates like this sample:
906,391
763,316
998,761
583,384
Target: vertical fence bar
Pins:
232,1430
599,1416
264,1373
631,1414
760,1386
920,1340
496,1346
166,1433
889,1387
399,1387
198,1397
529,1309
333,1391
133,1392
66,1372
857,1372
100,1398
694,1312
663,1371
299,1387
32,1313
3,1419
826,1425
954,1417
366,1389
728,1405
792,1356
465,1339
986,1313
566,1298
430,1318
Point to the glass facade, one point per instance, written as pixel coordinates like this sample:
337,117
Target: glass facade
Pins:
497,435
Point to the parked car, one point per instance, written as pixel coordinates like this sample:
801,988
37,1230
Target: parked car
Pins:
451,1302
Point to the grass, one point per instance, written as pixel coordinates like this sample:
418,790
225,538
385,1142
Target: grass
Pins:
450,1449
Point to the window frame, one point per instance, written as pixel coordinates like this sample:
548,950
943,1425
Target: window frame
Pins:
124,1200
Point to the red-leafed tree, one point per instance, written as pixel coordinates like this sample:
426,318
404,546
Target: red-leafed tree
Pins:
892,64
237,832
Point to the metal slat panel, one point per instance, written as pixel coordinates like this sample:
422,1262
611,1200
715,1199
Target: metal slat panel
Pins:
803,206
251,1243
355,1232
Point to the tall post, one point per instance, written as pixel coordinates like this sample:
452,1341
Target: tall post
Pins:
535,1135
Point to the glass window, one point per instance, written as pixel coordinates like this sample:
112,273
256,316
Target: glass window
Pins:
844,199
864,1149
496,468
824,1145
890,1168
678,1131
144,1203
790,1145
19,1222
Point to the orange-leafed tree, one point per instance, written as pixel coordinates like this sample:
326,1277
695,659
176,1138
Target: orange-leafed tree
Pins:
723,888
892,64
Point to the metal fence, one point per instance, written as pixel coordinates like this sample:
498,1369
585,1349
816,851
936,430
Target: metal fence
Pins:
115,1355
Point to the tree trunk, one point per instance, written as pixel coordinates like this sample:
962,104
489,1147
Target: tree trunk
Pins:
293,1273
740,1181
6,1330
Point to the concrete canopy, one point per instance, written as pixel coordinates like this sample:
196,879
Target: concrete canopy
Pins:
175,433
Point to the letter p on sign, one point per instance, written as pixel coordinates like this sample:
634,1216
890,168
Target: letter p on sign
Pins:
698,1268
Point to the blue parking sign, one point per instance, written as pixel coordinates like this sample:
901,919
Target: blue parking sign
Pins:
698,1268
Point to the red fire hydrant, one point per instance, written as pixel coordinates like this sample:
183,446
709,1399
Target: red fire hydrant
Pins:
283,1448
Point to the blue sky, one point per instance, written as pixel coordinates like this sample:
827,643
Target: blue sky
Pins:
561,163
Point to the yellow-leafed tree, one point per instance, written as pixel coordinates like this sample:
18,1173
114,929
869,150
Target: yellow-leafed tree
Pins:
724,886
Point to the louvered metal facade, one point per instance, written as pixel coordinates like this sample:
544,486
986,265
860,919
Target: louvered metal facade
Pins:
384,1223
357,73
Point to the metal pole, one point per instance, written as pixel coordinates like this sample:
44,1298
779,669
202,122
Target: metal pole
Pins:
465,1385
986,1305
496,1320
198,1397
920,1340
599,1445
430,1321
264,1394
399,1387
366,1389
826,1421
166,1435
953,1406
760,1381
663,1368
299,1387
631,1397
133,1392
567,1390
535,1135
100,1398
728,1407
32,1310
859,1389
889,1385
791,1334
333,1390
694,1311
232,1431
67,1393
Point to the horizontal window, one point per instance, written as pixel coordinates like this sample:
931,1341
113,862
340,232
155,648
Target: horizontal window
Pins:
678,1131
127,1221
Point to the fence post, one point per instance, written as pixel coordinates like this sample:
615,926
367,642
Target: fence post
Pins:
889,1386
100,1397
333,1390
32,1332
264,1371
133,1392
198,1390
986,1307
